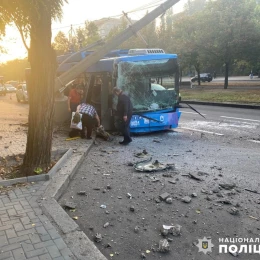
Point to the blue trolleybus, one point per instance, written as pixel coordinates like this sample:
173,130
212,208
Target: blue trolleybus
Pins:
149,76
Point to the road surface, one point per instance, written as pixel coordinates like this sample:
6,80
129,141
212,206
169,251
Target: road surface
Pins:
235,122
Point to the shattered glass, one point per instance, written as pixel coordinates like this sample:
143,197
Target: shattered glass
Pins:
150,84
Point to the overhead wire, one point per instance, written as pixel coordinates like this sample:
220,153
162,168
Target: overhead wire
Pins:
141,8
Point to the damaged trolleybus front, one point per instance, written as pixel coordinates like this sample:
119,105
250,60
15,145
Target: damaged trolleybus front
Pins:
150,78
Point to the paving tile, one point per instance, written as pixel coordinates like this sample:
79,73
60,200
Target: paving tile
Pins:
18,254
10,233
5,255
36,252
53,251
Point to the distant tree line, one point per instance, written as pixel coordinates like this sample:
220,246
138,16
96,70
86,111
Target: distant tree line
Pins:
208,36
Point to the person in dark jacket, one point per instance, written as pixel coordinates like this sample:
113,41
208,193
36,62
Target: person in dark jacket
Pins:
124,112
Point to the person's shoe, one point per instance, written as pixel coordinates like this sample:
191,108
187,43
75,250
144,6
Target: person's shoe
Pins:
125,142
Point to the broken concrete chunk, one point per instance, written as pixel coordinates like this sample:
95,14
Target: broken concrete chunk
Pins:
186,199
164,196
175,230
70,205
164,246
82,193
98,238
168,200
227,186
233,211
194,195
195,177
106,225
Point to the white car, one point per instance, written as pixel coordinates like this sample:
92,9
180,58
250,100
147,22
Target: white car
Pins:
21,93
9,88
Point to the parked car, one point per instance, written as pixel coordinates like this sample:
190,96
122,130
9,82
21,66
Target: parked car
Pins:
9,88
2,90
21,93
13,83
203,77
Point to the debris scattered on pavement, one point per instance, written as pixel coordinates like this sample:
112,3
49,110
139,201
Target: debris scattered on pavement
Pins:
103,206
129,195
227,186
164,246
233,211
106,225
98,237
142,154
143,256
132,208
234,253
172,182
70,205
81,193
136,229
168,200
164,196
195,177
186,199
75,218
253,218
194,195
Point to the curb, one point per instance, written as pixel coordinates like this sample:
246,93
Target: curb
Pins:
247,106
77,241
40,177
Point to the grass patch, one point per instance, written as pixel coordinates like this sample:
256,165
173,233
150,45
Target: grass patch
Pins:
243,96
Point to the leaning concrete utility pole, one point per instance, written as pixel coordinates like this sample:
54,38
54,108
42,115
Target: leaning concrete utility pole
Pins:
91,59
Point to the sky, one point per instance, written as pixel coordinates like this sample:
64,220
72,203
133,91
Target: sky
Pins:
75,13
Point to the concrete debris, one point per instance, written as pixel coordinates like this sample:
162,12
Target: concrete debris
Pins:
109,187
142,154
82,193
227,186
70,205
106,225
194,195
216,190
174,230
164,196
168,200
129,195
143,256
164,246
195,177
130,164
103,206
233,211
167,175
186,199
225,201
132,208
98,238
136,229
172,182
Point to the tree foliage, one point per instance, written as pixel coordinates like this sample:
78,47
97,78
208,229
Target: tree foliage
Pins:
33,18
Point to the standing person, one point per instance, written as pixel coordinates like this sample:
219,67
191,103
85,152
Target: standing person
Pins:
74,99
89,114
124,112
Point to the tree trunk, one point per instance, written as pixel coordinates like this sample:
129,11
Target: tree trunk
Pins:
226,75
41,93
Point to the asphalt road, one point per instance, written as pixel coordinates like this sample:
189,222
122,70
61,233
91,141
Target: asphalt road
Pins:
107,179
228,121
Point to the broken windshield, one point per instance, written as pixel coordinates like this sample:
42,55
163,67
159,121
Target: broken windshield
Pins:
150,84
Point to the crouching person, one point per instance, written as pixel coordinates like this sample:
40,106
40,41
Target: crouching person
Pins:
90,119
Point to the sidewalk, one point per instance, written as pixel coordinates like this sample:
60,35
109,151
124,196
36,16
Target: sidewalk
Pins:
25,232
